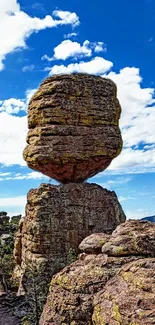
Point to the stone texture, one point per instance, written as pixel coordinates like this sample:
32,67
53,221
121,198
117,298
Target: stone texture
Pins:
12,310
129,298
73,127
102,289
17,252
58,218
93,243
132,238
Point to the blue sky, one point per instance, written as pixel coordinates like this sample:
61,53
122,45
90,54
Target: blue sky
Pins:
103,37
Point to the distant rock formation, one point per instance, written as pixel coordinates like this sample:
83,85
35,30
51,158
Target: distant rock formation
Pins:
73,127
114,286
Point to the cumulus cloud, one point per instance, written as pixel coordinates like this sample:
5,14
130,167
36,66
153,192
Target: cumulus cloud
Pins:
29,94
16,26
97,65
19,176
134,161
12,106
137,122
99,47
66,18
13,131
68,48
18,201
13,137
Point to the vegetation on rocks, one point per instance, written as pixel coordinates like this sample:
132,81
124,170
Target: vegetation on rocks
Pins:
8,228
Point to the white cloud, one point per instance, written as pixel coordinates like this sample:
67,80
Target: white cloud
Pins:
46,57
99,47
68,48
16,26
122,198
120,180
29,94
138,214
135,161
110,184
66,18
19,176
18,201
4,174
28,68
69,35
12,106
13,130
97,65
137,123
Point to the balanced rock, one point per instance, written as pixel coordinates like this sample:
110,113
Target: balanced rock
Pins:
58,218
104,289
73,127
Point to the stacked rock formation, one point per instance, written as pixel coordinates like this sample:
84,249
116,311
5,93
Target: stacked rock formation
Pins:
73,134
111,283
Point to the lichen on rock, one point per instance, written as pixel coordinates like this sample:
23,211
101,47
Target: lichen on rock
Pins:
103,289
73,127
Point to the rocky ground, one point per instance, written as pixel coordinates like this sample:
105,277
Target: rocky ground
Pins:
110,284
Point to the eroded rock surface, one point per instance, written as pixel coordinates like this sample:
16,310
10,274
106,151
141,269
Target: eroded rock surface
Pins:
12,309
104,289
132,238
129,298
58,218
73,127
93,243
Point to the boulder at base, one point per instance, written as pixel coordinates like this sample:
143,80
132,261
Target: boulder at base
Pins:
107,290
57,219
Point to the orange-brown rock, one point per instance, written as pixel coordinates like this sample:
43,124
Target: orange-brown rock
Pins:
73,127
58,218
129,298
104,289
132,238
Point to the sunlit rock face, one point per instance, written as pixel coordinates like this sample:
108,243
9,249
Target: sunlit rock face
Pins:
73,127
112,285
58,218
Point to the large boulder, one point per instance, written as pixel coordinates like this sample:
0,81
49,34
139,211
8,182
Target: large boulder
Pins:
104,289
57,219
73,127
93,243
132,238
